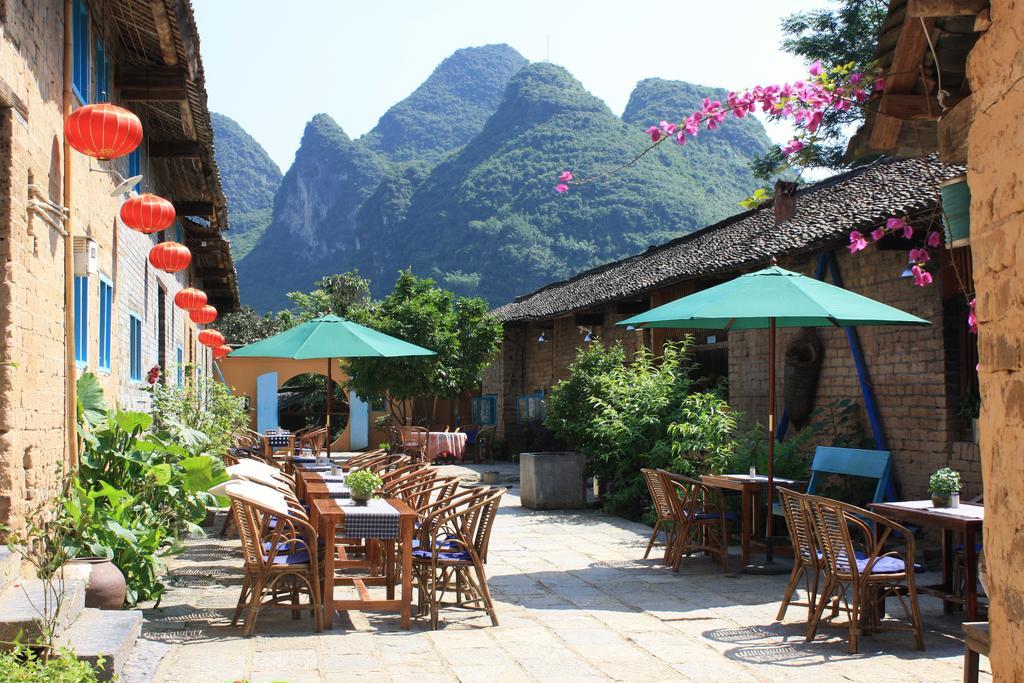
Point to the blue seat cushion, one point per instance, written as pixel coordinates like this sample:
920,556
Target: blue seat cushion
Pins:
300,557
458,556
884,565
729,516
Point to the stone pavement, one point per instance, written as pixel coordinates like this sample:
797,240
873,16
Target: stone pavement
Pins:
575,601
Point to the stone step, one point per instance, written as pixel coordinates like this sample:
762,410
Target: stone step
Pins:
106,634
22,604
10,568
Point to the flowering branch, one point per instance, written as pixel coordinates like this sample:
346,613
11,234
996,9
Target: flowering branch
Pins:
804,102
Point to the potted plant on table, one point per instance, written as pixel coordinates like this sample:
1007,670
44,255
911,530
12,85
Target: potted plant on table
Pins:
945,488
363,484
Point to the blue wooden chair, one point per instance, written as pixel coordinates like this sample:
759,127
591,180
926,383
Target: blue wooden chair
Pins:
851,462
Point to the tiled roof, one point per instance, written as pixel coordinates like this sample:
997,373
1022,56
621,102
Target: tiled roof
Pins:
825,213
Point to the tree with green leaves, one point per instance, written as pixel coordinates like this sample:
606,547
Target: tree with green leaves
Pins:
843,35
460,330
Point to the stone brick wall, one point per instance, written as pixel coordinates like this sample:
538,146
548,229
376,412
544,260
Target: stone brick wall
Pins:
995,149
906,366
32,330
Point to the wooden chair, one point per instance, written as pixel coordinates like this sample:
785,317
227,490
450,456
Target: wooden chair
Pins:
271,451
280,553
452,549
662,507
485,444
699,519
414,441
806,564
859,572
313,439
851,462
357,461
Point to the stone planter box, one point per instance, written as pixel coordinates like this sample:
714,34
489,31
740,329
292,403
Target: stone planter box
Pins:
552,481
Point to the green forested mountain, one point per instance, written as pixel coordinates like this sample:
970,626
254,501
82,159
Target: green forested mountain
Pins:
449,108
458,183
250,182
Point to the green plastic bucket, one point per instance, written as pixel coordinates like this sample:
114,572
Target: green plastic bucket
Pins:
956,211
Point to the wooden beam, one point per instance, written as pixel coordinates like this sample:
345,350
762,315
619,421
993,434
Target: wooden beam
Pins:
193,208
903,74
945,8
952,132
916,107
10,99
150,83
164,32
175,149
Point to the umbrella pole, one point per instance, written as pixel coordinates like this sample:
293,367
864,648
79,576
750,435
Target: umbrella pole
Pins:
330,390
769,549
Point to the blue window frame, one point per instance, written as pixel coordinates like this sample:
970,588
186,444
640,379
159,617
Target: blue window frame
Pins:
135,163
181,366
484,410
134,347
81,320
80,50
102,74
106,319
530,407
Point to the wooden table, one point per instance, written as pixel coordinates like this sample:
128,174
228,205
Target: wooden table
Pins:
965,522
976,642
327,516
750,488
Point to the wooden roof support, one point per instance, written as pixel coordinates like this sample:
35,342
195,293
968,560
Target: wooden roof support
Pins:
194,208
903,75
952,132
164,32
945,8
149,83
916,107
175,149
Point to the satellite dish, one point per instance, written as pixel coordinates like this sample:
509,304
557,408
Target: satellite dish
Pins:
126,185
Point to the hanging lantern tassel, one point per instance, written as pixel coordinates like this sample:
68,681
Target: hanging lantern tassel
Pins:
104,131
170,257
221,351
211,338
190,298
203,316
147,213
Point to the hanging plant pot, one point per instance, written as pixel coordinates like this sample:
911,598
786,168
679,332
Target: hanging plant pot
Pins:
956,211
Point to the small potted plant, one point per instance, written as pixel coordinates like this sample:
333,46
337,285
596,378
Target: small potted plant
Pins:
363,484
945,488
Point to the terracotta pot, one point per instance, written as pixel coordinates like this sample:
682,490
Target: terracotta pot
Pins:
105,587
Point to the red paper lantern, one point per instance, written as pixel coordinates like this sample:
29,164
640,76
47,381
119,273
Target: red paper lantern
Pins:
170,257
147,213
221,351
211,338
190,298
203,316
103,131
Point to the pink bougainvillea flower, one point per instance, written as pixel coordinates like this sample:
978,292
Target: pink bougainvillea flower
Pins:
791,147
856,78
654,132
692,125
565,177
857,242
972,318
815,69
877,234
934,239
680,137
922,278
814,121
879,84
561,188
908,231
920,255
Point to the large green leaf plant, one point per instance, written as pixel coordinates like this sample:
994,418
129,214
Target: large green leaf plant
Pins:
138,491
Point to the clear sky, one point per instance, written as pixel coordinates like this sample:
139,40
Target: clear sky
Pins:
272,64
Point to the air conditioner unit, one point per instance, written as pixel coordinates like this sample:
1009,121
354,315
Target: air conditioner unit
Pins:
87,256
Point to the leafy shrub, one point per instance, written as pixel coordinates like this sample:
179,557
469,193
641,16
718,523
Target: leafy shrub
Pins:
24,665
363,483
200,415
138,491
641,413
945,482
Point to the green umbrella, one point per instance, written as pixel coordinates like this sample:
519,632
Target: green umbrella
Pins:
772,298
330,337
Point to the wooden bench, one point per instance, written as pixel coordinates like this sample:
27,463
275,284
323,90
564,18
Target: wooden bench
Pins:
976,643
851,462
